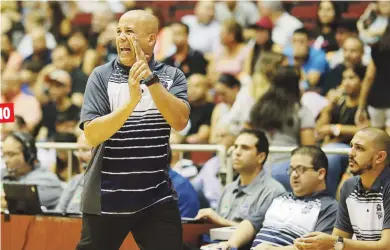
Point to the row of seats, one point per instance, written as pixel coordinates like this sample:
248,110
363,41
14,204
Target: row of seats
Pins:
175,10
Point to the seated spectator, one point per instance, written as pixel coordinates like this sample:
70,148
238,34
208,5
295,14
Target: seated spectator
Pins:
248,197
204,29
263,43
226,90
70,199
324,35
25,105
310,61
307,209
61,166
201,110
189,61
82,56
101,17
336,125
353,56
41,54
229,57
284,23
373,22
35,23
12,59
245,12
286,122
337,121
60,85
22,166
345,29
188,201
264,72
364,206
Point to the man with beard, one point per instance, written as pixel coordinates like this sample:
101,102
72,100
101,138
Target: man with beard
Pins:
364,209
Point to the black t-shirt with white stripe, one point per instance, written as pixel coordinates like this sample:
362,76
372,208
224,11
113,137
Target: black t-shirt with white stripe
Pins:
365,213
129,171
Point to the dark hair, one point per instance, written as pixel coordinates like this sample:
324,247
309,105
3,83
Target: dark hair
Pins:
262,144
28,146
235,28
384,41
278,106
185,26
19,120
318,157
337,16
5,56
359,70
303,31
229,80
58,17
348,24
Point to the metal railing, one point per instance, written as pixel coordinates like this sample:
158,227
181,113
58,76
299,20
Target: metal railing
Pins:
223,154
218,149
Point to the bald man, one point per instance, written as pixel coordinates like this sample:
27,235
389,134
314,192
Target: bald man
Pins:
130,106
364,206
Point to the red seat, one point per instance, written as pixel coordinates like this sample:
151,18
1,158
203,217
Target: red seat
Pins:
182,12
305,11
200,158
82,19
357,8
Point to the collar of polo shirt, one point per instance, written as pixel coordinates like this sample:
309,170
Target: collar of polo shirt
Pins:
253,186
313,195
377,183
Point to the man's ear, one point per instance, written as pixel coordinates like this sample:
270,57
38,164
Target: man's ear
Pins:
381,157
261,157
321,174
152,39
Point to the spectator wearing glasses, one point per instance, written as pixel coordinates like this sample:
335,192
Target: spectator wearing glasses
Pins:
307,208
246,199
364,205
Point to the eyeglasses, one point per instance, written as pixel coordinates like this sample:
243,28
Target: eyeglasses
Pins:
300,170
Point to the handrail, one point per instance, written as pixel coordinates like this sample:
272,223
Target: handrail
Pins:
219,149
222,153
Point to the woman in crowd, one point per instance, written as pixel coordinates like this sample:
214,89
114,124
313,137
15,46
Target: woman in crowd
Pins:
328,16
287,123
229,58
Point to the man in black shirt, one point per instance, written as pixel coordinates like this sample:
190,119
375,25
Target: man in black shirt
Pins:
186,59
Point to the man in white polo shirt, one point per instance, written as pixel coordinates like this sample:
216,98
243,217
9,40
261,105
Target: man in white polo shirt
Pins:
364,209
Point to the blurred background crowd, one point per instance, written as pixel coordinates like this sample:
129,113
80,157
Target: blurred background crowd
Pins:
306,72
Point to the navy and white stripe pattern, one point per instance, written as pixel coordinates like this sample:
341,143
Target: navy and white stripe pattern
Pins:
135,170
366,212
288,219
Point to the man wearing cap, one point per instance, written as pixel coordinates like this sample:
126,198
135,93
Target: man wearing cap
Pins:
130,105
263,42
60,104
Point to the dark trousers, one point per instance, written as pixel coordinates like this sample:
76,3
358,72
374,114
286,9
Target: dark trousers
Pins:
155,228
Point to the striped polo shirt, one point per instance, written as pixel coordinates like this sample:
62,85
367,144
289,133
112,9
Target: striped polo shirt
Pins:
129,172
290,217
362,212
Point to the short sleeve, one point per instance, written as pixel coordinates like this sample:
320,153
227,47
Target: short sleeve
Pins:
179,87
257,217
319,63
386,206
343,221
306,118
96,102
327,218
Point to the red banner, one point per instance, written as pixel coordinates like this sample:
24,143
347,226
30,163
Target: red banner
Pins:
7,112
